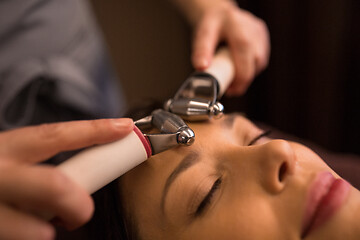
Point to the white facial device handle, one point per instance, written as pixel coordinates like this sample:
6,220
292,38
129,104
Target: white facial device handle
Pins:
222,68
95,167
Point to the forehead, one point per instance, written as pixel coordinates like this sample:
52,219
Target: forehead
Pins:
231,125
207,135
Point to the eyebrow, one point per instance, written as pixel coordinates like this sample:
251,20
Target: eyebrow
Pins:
188,161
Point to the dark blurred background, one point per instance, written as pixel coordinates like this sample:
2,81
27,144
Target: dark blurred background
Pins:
312,85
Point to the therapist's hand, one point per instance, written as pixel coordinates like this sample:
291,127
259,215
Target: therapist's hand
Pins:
246,35
27,188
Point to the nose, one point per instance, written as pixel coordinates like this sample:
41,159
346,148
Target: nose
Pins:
269,166
276,162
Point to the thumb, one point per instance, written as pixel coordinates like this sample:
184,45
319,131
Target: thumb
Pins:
205,40
37,143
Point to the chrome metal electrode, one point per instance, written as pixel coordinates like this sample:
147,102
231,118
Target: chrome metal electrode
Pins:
196,100
173,130
194,109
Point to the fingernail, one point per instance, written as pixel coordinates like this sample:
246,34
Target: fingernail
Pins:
123,122
204,63
201,63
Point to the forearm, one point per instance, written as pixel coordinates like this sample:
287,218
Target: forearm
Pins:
193,10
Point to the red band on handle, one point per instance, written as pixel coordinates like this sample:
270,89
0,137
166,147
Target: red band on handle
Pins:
144,141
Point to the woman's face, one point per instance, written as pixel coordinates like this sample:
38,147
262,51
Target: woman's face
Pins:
221,188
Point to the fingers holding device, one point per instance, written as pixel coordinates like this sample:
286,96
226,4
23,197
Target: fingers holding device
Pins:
197,98
27,188
98,166
31,194
95,167
246,35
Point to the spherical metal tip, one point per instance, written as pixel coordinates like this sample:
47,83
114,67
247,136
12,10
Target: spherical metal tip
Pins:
167,104
186,137
190,140
217,110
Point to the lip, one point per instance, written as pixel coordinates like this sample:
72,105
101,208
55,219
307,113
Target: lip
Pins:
325,196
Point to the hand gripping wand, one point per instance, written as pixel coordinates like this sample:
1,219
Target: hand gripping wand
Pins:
196,99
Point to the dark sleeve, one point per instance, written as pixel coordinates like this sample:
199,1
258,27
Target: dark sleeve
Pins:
35,90
53,61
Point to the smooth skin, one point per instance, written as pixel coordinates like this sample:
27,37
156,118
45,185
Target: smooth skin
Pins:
262,193
247,36
29,190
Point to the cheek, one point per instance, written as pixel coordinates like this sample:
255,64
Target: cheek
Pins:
246,219
309,160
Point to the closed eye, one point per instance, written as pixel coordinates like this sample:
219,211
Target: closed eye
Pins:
208,198
264,134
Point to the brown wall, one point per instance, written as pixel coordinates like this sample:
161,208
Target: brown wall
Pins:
149,46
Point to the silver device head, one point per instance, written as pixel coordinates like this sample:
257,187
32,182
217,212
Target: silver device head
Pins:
173,130
196,100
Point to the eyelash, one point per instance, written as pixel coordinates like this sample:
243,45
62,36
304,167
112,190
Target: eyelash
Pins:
207,200
264,134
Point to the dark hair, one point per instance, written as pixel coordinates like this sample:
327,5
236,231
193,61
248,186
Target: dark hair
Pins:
110,220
